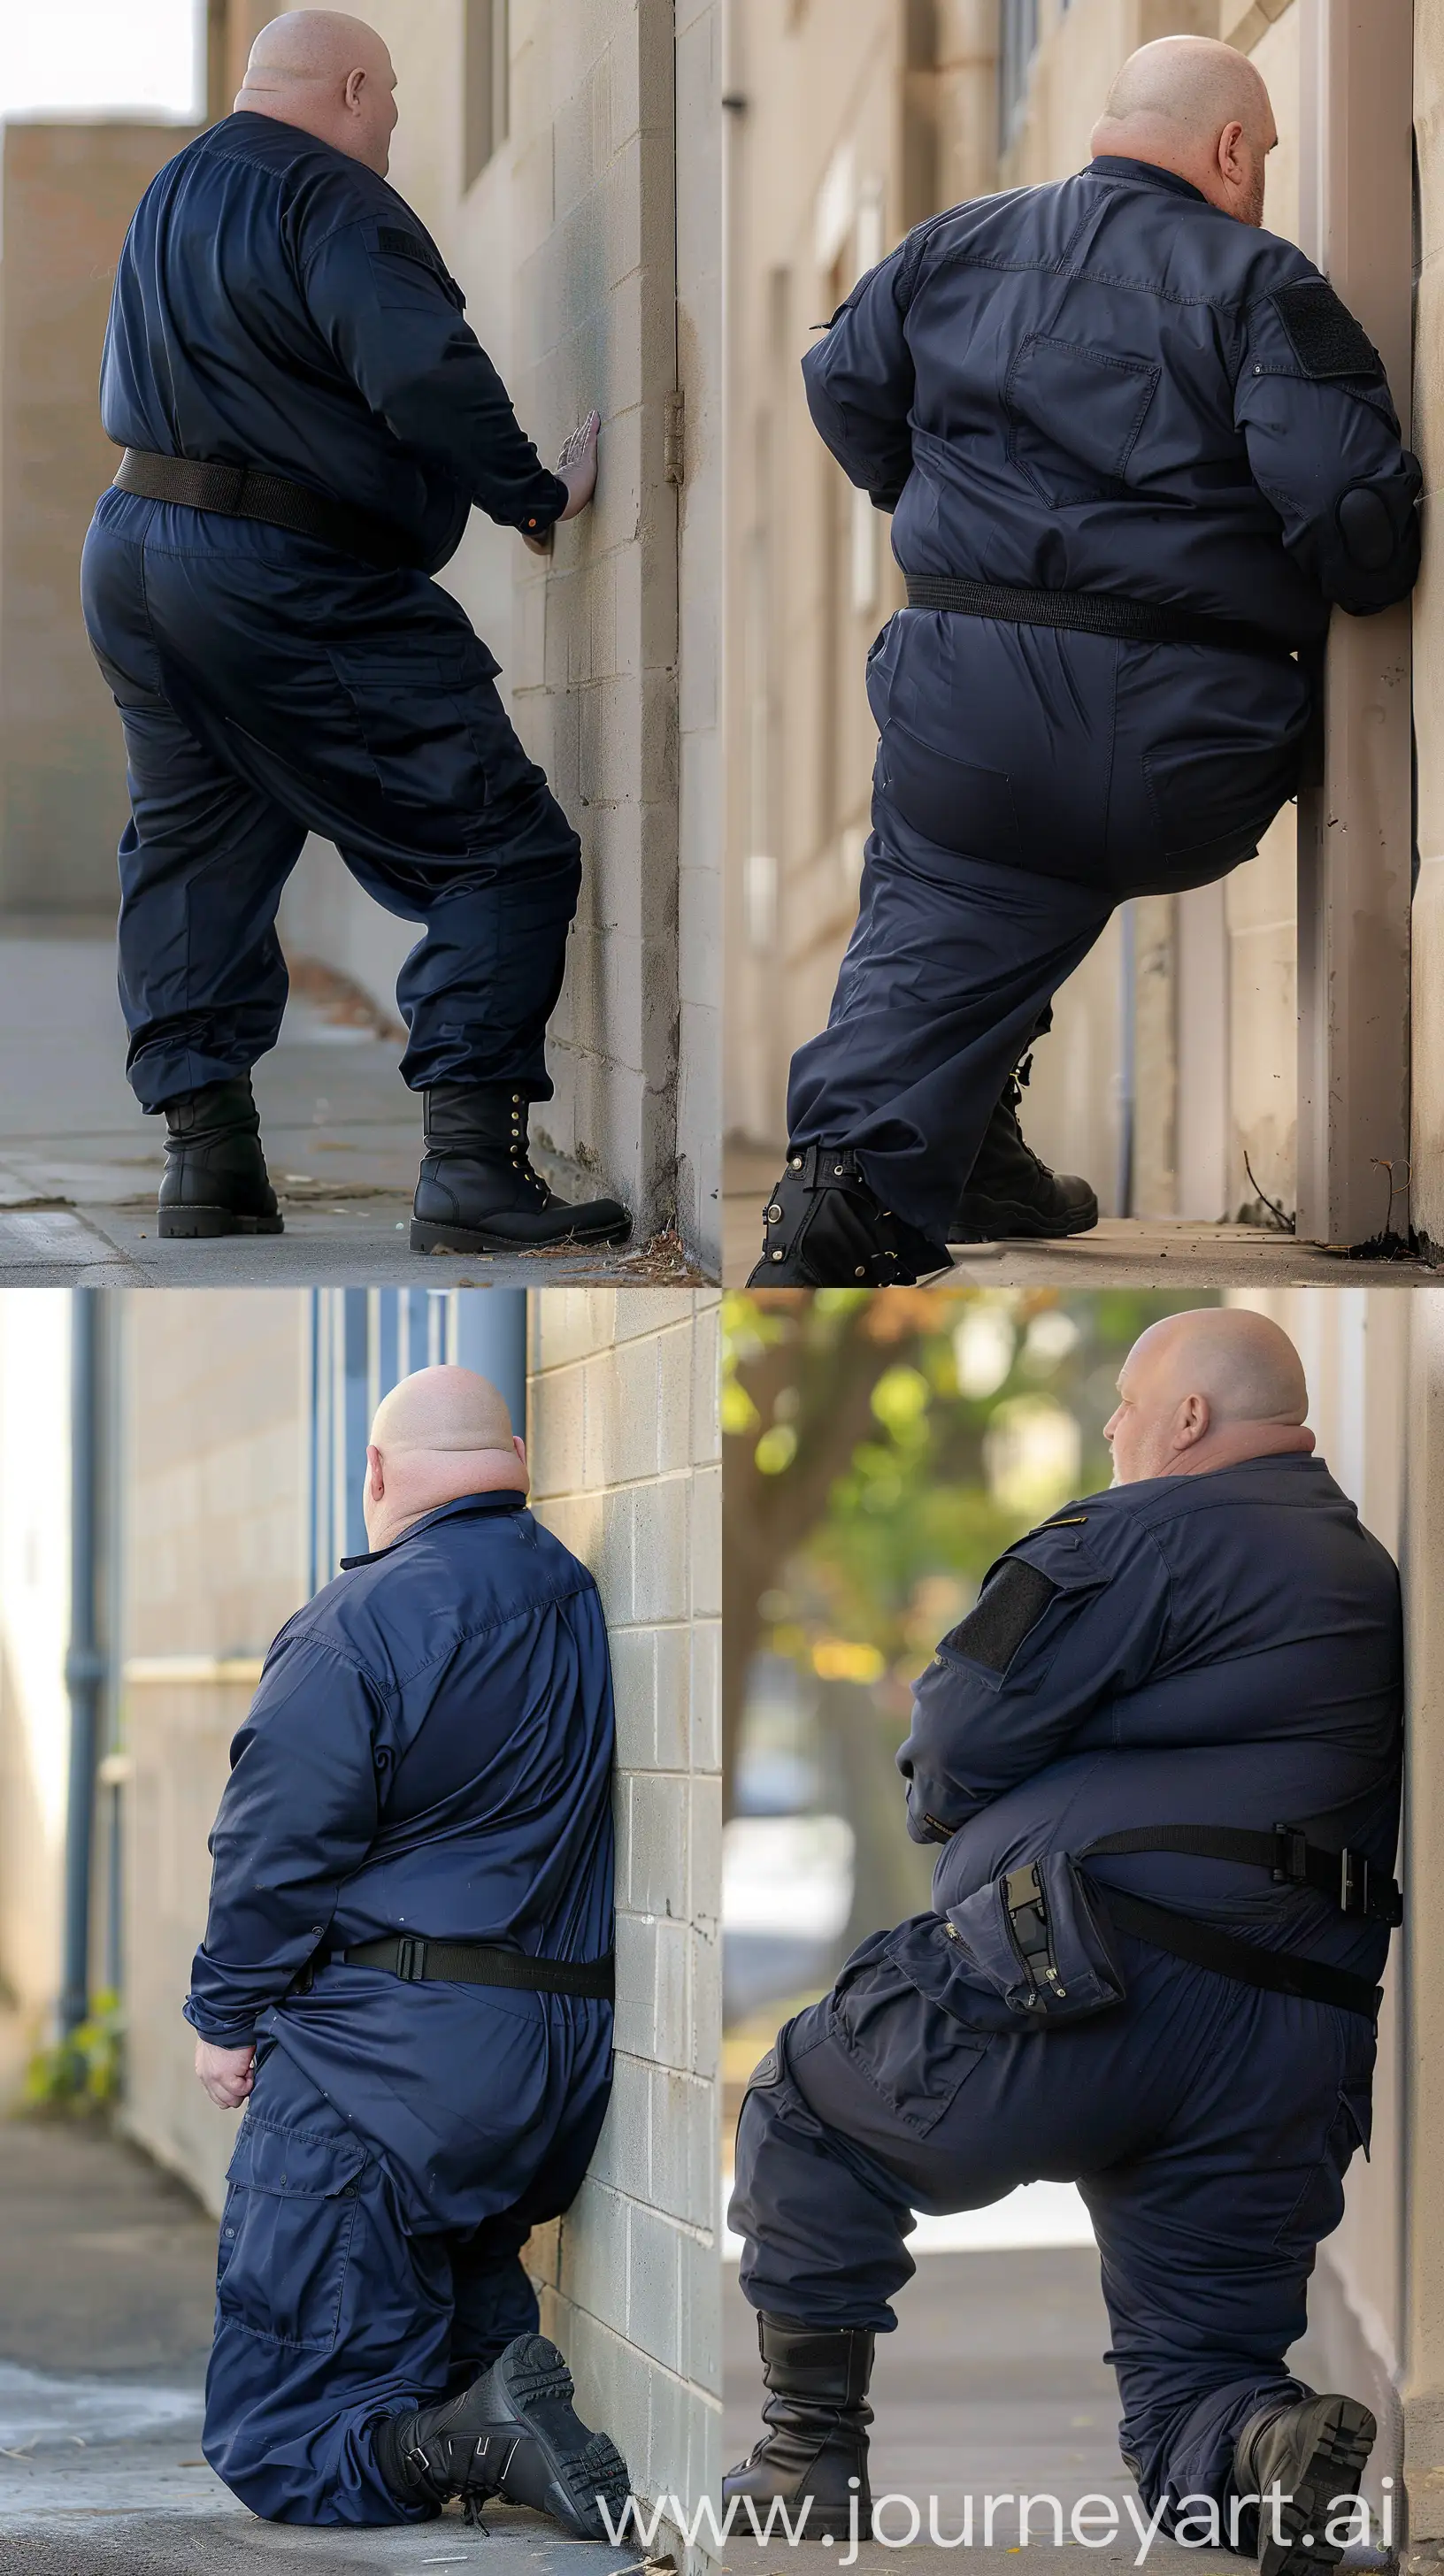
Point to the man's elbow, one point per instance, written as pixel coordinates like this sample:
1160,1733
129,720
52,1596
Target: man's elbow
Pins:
1369,549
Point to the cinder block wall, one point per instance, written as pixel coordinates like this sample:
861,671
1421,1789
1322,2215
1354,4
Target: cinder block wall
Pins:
595,647
625,1453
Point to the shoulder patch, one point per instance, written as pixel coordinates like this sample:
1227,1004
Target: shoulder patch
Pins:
1324,336
389,237
1006,1612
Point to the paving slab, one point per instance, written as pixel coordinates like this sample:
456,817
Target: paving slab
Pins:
106,2299
80,1161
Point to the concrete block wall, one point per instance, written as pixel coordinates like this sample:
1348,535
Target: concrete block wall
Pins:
595,654
625,1454
702,559
1428,434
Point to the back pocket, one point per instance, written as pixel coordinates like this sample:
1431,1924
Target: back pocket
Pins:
956,803
286,2233
1204,798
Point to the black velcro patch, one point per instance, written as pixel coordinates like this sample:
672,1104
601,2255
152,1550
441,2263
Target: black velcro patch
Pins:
1007,1610
1325,338
405,246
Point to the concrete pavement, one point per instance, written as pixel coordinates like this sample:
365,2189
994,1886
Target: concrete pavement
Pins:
105,2321
1121,1252
79,1162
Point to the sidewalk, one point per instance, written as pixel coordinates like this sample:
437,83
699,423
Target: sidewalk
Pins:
79,1163
105,2323
1121,1252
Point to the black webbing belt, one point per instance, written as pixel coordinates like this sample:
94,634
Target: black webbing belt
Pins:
1087,612
250,492
1290,1858
475,1963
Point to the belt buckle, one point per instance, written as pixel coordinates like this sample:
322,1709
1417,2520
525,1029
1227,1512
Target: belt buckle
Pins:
410,1957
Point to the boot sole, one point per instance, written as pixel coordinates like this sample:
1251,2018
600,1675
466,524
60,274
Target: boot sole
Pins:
532,2372
1342,2444
994,1221
427,1237
792,1274
187,1225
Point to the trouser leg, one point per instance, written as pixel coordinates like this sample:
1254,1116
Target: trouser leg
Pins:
495,2300
952,964
329,2315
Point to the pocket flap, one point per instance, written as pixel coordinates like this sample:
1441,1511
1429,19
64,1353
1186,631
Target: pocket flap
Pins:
296,2164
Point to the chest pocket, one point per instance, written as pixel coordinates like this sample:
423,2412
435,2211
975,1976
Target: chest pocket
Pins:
1074,416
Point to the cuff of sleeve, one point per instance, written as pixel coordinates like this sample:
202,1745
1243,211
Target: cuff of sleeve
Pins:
217,2034
545,510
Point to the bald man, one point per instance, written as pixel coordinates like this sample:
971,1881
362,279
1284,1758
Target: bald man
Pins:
406,1980
308,422
1162,1759
1135,450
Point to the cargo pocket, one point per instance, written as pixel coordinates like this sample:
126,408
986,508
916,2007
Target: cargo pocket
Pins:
1320,2205
286,2233
912,2051
956,803
433,732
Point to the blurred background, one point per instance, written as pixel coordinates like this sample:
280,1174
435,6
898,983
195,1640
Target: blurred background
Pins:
879,1453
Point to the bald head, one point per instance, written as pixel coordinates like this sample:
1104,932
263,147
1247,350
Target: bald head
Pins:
439,1434
1207,1390
1197,107
329,74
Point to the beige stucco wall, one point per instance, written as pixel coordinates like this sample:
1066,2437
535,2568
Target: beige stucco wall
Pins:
1428,959
34,1621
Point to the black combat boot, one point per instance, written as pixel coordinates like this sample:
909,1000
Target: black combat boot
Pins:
515,2435
214,1181
1316,2449
817,2417
825,1229
1011,1192
478,1192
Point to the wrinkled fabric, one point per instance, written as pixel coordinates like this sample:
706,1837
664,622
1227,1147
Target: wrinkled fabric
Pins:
269,687
1220,1649
278,305
1089,386
429,1751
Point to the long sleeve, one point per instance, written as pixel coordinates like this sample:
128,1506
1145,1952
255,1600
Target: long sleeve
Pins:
1325,448
390,317
859,381
298,1814
1063,1623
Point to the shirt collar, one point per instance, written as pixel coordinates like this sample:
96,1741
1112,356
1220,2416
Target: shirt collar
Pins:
1143,174
463,1508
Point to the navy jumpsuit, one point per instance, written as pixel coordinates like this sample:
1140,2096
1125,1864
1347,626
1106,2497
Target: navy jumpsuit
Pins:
1101,385
429,1751
1223,1649
277,304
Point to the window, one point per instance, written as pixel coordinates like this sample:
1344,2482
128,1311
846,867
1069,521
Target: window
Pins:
363,1340
487,87
1018,43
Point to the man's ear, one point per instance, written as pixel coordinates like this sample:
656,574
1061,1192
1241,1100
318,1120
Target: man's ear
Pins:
1195,1420
1228,154
519,1445
375,1475
355,82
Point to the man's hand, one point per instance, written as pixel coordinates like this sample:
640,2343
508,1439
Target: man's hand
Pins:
577,466
227,2073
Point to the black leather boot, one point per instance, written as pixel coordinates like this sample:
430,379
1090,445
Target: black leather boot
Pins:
1316,2449
513,2434
478,1192
817,2416
1010,1192
825,1229
214,1181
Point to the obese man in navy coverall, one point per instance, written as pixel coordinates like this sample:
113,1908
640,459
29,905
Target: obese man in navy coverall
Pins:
1214,1647
406,1979
285,662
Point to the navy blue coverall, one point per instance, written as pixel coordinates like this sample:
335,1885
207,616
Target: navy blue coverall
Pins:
429,1751
1222,1649
277,304
1101,385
